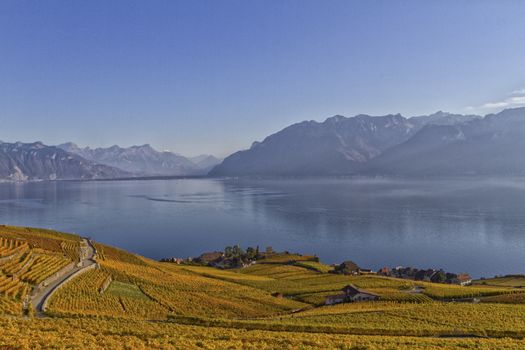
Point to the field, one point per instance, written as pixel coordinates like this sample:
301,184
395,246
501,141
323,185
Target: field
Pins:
129,301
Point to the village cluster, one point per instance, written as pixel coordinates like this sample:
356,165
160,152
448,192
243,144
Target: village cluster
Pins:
409,273
236,257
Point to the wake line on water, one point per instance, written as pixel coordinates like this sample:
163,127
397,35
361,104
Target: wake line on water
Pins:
161,199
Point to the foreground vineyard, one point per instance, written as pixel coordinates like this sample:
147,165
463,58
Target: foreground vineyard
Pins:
96,333
27,258
128,301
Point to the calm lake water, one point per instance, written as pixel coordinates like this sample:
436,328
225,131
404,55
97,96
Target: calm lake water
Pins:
472,225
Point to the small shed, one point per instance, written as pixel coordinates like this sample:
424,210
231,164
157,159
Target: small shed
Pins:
335,299
355,294
351,294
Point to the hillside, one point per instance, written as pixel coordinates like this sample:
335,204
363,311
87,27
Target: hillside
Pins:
129,301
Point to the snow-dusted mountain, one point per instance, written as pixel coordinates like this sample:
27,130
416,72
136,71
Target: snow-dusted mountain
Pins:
339,145
141,160
444,118
36,161
438,144
494,145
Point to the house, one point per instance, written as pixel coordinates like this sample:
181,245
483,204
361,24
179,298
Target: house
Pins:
355,294
384,271
463,279
335,299
351,294
173,260
210,257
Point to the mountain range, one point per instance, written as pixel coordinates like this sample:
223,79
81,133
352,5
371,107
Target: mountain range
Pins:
144,160
36,161
391,145
493,145
438,144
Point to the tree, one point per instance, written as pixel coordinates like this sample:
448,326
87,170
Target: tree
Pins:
250,253
236,251
228,252
439,277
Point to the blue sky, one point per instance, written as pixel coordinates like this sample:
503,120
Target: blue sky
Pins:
213,76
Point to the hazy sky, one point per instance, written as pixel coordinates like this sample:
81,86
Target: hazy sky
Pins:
213,76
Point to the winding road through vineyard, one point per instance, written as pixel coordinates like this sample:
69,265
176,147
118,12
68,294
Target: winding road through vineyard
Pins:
87,253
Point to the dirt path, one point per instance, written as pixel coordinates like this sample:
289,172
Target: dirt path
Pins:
40,295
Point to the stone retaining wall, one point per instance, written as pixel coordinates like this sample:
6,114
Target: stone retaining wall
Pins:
105,285
56,275
79,272
95,252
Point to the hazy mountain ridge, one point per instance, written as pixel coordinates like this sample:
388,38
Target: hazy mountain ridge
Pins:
144,160
339,145
444,118
36,161
205,161
493,145
437,144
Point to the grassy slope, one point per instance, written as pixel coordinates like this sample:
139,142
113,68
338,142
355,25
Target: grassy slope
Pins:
162,305
516,281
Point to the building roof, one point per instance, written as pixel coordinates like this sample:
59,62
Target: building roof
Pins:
464,277
336,297
351,290
211,256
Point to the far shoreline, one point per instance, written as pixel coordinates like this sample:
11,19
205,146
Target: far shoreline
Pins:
283,178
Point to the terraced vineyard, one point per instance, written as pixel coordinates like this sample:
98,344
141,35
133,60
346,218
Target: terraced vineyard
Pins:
9,247
134,301
167,290
28,257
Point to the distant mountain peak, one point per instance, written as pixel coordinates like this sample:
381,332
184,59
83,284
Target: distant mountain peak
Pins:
145,146
142,160
440,113
335,119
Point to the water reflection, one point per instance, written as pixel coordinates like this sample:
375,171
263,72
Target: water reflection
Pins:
474,225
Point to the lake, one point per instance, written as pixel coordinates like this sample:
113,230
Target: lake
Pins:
476,225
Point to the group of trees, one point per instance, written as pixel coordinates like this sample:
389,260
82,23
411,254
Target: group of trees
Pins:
235,256
430,275
237,252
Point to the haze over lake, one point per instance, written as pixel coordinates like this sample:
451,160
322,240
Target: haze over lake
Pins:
475,225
